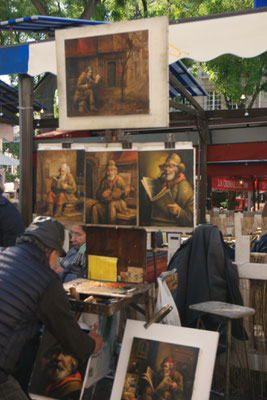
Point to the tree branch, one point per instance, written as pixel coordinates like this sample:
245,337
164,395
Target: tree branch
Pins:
89,9
42,10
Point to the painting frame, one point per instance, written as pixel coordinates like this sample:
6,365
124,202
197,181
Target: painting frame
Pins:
158,115
205,341
60,184
159,190
123,187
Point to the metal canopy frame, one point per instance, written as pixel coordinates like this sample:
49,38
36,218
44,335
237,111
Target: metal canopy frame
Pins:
9,104
43,24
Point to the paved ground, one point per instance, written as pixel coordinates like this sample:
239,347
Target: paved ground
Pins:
101,391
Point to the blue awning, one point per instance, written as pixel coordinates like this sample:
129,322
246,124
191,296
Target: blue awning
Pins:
9,102
43,24
181,73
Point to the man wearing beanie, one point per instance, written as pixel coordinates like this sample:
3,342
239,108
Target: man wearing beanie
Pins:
31,295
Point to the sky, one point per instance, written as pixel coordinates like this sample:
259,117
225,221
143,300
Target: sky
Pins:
5,78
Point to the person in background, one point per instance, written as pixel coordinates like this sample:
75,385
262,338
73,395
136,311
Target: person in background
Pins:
32,296
73,265
11,224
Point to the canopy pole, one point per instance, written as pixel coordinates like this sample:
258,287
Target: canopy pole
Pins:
26,147
203,130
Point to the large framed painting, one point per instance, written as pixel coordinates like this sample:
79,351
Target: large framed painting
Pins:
60,185
166,188
164,362
111,188
113,76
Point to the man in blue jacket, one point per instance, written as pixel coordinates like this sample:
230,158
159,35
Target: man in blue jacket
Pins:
31,295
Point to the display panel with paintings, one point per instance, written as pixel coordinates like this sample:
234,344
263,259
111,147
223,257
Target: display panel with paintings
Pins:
111,188
60,184
164,362
166,188
113,75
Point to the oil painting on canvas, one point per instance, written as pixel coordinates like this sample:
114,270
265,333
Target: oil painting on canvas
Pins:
60,184
111,188
164,362
114,76
108,75
158,370
166,188
56,374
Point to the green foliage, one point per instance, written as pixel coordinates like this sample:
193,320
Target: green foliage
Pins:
10,177
12,147
234,77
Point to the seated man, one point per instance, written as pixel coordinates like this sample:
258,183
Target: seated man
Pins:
85,96
62,192
111,196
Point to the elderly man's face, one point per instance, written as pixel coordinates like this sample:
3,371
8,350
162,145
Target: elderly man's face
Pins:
57,365
111,173
62,171
166,368
169,171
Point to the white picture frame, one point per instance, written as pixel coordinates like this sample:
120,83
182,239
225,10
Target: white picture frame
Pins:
156,72
205,341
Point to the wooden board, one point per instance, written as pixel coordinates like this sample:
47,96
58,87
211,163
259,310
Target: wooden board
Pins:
128,245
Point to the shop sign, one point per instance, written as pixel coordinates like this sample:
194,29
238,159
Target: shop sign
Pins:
263,186
231,184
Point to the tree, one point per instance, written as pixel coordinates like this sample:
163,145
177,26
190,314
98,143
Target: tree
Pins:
239,80
129,43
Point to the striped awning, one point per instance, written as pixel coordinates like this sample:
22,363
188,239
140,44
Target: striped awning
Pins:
9,102
43,24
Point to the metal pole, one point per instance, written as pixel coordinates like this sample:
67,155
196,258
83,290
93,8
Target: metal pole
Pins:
26,146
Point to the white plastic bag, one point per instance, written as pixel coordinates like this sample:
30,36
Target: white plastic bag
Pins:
165,297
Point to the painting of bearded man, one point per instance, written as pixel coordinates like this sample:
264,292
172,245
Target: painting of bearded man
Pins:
169,197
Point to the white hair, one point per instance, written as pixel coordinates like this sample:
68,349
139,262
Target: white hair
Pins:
65,167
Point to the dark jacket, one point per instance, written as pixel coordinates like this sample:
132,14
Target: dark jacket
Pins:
205,273
31,294
260,246
11,224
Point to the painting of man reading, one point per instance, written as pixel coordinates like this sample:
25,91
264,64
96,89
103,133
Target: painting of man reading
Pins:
107,75
60,184
158,370
111,188
166,188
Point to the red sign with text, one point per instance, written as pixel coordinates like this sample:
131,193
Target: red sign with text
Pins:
231,184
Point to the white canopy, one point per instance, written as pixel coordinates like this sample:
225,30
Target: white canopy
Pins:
204,39
5,160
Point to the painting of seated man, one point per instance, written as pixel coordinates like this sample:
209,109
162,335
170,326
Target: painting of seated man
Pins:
111,188
60,184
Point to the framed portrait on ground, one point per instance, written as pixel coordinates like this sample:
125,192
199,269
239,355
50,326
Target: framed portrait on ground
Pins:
60,184
111,188
166,188
57,374
165,362
114,76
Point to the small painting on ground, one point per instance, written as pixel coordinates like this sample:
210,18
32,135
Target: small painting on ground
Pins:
158,370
